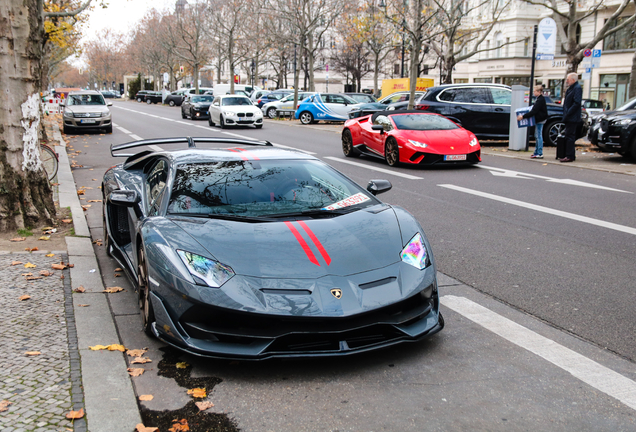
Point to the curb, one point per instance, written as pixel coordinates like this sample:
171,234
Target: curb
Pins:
109,397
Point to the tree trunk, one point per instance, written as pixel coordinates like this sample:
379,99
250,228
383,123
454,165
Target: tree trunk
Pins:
25,194
632,79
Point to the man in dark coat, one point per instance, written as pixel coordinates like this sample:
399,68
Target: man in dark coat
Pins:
571,114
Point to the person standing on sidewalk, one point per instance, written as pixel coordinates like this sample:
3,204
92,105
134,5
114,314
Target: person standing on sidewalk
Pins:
571,114
540,113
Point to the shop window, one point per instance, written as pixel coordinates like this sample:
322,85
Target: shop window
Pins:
622,39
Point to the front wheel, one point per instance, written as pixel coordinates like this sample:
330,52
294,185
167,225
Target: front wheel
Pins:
551,131
109,129
183,114
147,312
391,152
632,150
171,103
271,113
222,122
210,122
306,118
347,145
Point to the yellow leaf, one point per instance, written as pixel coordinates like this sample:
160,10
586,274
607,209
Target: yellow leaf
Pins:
140,360
98,347
74,415
182,365
32,353
197,393
141,428
50,255
45,238
116,347
112,290
179,426
135,372
29,265
4,405
136,352
24,297
58,266
146,397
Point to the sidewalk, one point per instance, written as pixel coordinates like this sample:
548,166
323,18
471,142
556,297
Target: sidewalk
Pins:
49,369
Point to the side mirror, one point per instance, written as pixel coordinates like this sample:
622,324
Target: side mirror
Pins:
378,128
377,187
126,198
109,104
62,104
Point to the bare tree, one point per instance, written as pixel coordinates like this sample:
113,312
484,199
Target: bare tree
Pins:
377,36
569,18
105,55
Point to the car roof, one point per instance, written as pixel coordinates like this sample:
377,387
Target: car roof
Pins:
84,92
460,85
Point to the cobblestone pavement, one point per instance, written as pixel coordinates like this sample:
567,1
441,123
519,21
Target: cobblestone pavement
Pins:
41,388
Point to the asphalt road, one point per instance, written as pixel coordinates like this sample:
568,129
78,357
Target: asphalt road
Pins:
548,246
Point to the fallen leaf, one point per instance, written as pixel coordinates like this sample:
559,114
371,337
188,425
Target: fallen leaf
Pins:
31,249
198,393
70,265
45,238
136,352
26,274
32,353
67,221
50,255
24,297
93,179
18,239
179,426
142,428
204,405
116,347
45,273
117,275
81,192
83,305
79,289
135,372
117,269
146,397
94,200
15,263
98,347
33,277
112,290
140,360
29,265
85,206
4,405
97,241
182,365
74,415
58,266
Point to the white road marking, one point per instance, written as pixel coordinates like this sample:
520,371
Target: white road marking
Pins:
155,148
136,137
590,372
516,174
126,131
573,216
382,170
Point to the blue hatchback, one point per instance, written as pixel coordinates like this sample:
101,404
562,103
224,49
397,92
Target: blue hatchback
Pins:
325,106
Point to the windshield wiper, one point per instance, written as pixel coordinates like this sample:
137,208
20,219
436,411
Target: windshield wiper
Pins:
225,216
316,213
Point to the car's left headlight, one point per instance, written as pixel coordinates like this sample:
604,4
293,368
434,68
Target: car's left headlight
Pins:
473,142
68,113
418,144
229,114
415,253
212,272
624,122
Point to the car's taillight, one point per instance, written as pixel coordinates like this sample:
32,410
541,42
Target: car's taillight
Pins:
422,107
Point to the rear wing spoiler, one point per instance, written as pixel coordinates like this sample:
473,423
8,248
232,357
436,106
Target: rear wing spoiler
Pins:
190,141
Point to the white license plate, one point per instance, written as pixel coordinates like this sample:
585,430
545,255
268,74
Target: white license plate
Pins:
454,157
87,121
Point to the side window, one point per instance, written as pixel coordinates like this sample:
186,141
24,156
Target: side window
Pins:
156,183
501,96
472,95
337,99
447,96
384,121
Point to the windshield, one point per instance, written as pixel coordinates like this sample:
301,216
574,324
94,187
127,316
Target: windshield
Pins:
196,99
235,101
264,188
92,99
363,98
630,104
422,122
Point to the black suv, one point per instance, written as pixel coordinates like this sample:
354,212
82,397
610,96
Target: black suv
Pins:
484,109
617,133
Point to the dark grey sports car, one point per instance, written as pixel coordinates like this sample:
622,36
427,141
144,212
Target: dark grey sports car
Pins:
249,251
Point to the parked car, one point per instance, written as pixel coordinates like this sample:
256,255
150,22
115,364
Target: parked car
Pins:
223,89
361,97
153,97
399,100
248,251
270,109
86,109
411,137
484,109
593,107
257,94
176,97
234,110
325,106
595,122
273,96
617,133
110,94
141,95
196,106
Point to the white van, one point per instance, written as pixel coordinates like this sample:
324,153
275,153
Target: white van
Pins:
223,89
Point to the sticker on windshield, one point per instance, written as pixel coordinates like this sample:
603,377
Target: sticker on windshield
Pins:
349,201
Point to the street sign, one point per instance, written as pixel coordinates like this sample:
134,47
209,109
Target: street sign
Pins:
596,53
596,62
587,52
587,74
545,56
546,39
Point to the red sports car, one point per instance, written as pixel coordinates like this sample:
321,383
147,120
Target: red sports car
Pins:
410,137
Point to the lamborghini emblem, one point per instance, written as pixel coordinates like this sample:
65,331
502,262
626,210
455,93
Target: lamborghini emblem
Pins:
336,292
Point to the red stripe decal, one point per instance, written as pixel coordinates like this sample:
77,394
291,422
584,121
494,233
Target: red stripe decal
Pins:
236,151
248,153
313,238
303,243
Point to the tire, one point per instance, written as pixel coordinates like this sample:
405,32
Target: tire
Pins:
391,152
551,131
183,114
171,103
143,289
49,161
210,122
109,129
222,122
260,126
148,101
306,117
138,99
632,150
67,130
347,145
271,112
107,242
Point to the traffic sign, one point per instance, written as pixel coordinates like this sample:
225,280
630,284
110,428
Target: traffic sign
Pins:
587,52
596,61
546,40
596,53
545,56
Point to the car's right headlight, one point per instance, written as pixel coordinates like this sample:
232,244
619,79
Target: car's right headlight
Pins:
415,253
68,113
624,121
211,272
229,113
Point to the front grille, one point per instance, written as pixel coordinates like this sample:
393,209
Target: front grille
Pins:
87,115
604,124
245,114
